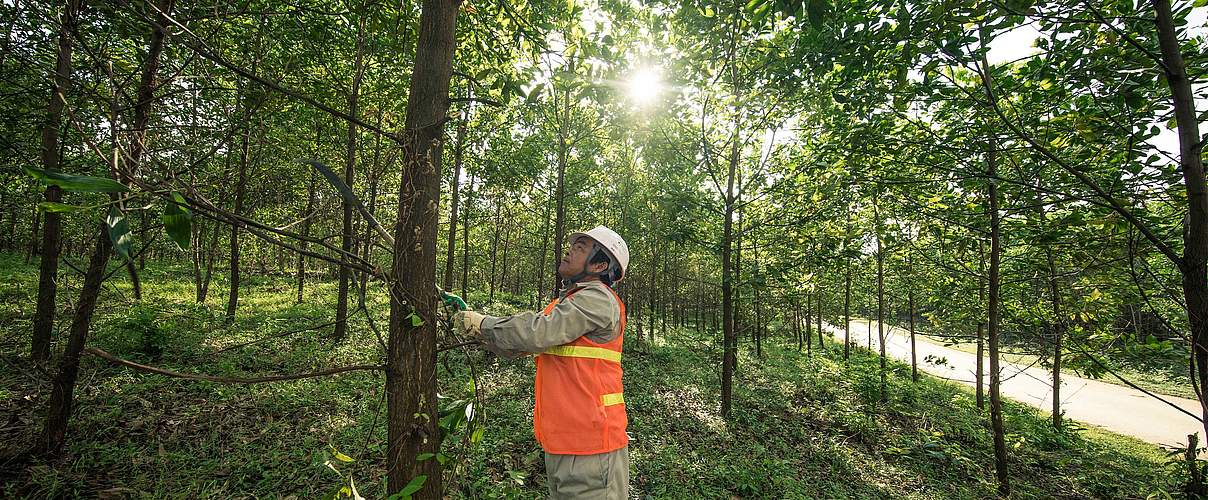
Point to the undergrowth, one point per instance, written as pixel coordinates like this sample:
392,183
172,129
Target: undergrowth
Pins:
802,426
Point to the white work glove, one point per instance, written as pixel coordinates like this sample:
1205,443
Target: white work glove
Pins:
468,323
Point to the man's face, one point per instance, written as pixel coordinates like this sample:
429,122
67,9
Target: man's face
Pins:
576,256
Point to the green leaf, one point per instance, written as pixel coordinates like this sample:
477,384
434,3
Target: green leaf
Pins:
178,221
409,489
76,183
339,456
424,456
119,233
477,435
55,207
416,321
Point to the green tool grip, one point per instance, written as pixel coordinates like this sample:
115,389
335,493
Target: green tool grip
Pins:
453,301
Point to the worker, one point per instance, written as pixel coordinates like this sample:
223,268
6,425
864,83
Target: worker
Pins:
579,418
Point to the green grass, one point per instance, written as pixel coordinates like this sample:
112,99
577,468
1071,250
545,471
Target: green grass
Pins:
802,427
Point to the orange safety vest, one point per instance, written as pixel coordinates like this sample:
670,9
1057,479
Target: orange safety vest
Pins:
580,399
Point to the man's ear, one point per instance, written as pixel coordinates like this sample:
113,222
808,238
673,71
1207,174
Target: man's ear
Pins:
598,267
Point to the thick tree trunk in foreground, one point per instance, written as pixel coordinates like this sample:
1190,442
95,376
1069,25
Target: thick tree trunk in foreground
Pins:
44,315
1194,266
411,355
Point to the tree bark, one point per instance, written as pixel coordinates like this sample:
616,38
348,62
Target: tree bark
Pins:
54,433
1058,333
412,413
458,151
350,160
307,218
560,193
1194,265
881,303
996,425
914,360
981,326
44,314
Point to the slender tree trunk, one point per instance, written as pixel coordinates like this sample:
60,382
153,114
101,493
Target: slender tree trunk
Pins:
1000,446
375,174
458,151
240,187
411,358
729,338
881,301
307,219
465,241
818,315
809,333
44,314
33,236
54,434
914,360
494,255
350,161
1058,333
560,193
981,326
1194,266
63,385
847,307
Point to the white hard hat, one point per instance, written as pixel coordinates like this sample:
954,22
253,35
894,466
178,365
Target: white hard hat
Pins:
611,242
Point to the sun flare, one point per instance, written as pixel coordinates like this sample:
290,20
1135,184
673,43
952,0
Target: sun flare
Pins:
644,86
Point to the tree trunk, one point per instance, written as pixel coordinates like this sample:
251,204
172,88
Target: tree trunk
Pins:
914,360
458,151
63,385
240,187
350,161
560,193
54,434
818,315
1058,333
411,358
36,229
809,332
1194,266
44,314
307,218
981,326
465,242
1000,446
847,307
729,338
881,300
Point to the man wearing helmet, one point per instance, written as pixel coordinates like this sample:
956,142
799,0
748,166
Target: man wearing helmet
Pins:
580,415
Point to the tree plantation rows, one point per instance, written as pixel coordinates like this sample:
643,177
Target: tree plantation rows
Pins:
1015,176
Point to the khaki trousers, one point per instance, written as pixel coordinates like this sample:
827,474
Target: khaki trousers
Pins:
603,477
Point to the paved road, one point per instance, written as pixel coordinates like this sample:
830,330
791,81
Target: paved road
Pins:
1119,409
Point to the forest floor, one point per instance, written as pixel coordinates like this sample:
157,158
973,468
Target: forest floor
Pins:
1117,408
803,426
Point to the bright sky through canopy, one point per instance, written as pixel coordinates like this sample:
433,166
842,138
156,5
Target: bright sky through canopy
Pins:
644,86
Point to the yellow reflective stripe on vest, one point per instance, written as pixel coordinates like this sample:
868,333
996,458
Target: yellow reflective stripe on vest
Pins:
579,351
614,399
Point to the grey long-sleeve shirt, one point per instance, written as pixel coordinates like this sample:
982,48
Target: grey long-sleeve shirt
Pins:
591,311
